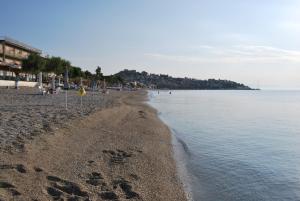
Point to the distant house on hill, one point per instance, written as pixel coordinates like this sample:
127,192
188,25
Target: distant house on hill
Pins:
12,52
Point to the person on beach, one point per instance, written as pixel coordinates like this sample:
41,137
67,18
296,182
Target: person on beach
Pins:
17,81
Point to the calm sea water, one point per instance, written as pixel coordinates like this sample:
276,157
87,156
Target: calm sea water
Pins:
239,145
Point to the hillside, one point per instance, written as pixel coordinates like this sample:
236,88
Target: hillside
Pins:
167,82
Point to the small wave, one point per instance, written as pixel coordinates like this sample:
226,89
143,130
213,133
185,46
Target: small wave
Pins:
181,151
182,143
184,146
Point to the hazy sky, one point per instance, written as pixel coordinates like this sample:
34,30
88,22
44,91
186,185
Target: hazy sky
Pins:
256,42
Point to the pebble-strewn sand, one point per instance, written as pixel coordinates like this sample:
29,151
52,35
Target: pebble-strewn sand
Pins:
122,152
24,113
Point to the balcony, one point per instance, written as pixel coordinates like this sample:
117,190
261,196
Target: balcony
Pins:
14,55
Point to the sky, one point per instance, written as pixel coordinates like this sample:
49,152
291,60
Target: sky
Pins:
255,42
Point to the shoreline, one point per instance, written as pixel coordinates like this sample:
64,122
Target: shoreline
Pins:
180,154
122,152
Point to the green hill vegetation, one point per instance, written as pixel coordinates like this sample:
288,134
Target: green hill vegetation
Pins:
35,63
162,81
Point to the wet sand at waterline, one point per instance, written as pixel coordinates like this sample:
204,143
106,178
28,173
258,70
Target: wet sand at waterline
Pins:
121,151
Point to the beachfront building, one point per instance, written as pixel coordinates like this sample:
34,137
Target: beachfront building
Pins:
12,52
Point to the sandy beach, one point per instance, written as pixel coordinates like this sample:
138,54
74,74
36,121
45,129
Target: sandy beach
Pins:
26,114
118,149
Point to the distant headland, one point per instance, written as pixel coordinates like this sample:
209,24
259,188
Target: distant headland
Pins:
163,81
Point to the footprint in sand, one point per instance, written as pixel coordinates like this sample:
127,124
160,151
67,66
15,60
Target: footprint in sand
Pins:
109,195
61,189
118,156
91,162
119,188
37,169
19,167
126,188
95,179
9,188
142,114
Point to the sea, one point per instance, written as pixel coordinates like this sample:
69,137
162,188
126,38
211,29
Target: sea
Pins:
236,145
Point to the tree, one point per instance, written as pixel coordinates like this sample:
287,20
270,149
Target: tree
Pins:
56,65
88,74
144,73
114,79
33,64
75,72
99,74
52,64
65,66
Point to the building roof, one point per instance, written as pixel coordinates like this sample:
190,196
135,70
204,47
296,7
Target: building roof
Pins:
20,44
